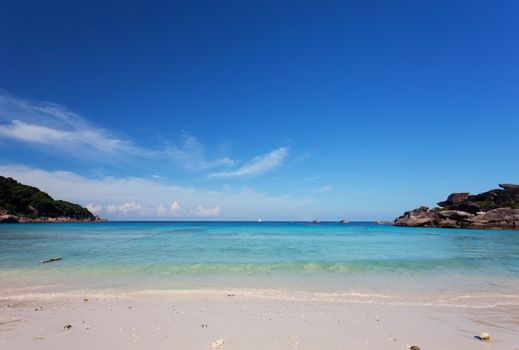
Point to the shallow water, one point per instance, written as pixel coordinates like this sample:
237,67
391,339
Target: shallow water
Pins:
358,261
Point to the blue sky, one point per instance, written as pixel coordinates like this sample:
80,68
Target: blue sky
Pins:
242,110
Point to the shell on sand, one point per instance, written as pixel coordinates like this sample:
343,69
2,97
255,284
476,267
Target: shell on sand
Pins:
484,336
218,344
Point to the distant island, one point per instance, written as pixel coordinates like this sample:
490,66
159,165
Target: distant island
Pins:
20,203
494,209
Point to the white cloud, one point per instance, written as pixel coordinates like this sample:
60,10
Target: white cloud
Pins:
172,210
147,198
258,165
94,208
127,209
201,211
135,209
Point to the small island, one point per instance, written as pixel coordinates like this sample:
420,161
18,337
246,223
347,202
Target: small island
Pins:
494,209
20,203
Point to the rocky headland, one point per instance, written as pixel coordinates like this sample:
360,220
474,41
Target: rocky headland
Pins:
20,203
494,209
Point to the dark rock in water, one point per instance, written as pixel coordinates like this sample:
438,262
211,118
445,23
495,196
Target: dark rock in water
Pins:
415,218
494,209
497,218
8,219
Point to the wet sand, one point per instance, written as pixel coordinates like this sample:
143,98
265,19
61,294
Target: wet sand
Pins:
234,320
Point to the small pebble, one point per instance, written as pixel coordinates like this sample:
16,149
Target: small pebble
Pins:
67,326
204,326
414,347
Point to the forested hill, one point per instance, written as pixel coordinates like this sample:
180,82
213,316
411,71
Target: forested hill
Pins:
22,203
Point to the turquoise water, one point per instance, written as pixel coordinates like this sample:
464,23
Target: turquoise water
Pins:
357,258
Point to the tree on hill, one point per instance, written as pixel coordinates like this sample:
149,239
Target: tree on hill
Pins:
22,200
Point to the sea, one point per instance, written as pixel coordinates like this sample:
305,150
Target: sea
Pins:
357,262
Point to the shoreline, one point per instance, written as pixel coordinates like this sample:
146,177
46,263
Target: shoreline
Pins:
454,301
198,321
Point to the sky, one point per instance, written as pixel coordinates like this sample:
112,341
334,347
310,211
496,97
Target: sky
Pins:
240,110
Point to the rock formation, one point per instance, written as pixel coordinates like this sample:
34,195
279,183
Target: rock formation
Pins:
494,209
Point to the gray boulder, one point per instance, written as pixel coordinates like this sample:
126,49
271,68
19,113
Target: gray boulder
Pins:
500,214
508,186
469,207
454,198
415,218
454,214
496,218
448,223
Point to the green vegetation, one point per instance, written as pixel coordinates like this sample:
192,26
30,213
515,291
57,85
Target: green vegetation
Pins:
439,209
487,205
28,201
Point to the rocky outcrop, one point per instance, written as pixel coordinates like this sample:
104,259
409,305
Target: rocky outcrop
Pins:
419,217
494,209
8,219
455,198
13,219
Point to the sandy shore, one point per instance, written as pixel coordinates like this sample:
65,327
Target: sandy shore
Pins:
234,320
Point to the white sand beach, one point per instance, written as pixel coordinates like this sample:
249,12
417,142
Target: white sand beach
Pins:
230,319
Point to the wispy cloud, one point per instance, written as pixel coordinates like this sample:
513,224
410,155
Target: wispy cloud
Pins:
50,126
54,126
258,165
74,139
322,189
190,153
313,178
